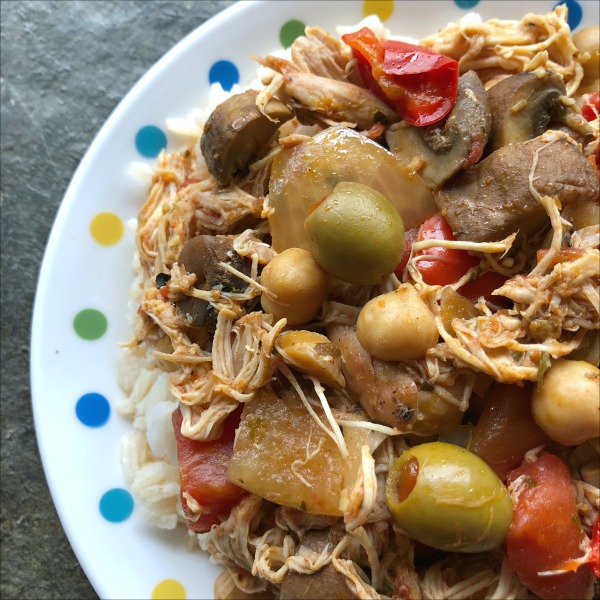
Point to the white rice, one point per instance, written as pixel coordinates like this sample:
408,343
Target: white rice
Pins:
149,452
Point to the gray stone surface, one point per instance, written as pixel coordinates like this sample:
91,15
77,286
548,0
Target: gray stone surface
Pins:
65,66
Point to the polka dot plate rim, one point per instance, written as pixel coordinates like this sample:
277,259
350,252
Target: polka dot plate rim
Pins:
75,334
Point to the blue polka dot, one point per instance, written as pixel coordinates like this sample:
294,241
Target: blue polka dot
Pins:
225,73
466,4
575,12
92,410
150,140
116,505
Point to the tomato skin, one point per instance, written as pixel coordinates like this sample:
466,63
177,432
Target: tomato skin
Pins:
203,472
595,558
410,237
506,429
452,264
545,531
484,285
591,106
419,84
187,182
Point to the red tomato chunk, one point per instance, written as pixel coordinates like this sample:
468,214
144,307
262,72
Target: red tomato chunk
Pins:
595,554
506,429
484,285
545,531
447,265
203,473
591,107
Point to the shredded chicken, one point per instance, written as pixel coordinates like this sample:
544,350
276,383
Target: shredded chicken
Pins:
484,576
497,48
241,365
319,53
208,371
184,201
554,306
334,101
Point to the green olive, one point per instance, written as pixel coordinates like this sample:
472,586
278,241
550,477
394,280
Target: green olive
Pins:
356,234
435,414
446,497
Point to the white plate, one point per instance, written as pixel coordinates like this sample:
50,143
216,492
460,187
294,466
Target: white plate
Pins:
124,557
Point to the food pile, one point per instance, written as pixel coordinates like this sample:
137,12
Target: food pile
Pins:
365,358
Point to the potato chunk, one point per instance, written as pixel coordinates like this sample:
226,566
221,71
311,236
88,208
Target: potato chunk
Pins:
282,455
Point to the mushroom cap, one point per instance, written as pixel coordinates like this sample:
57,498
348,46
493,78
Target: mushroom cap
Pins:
440,151
236,131
201,255
525,105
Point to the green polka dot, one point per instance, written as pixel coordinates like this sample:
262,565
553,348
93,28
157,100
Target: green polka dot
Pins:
290,31
90,324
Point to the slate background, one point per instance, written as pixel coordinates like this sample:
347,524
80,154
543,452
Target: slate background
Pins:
65,65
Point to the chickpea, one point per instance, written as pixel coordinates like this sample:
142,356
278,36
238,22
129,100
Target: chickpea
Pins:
566,405
299,286
588,40
397,325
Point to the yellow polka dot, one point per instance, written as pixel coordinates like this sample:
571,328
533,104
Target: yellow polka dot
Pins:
106,228
168,589
382,8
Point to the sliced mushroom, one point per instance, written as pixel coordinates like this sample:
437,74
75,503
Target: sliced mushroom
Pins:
440,151
201,256
525,105
236,131
325,584
196,312
493,199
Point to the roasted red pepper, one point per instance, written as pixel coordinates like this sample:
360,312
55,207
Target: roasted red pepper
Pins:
419,84
203,474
